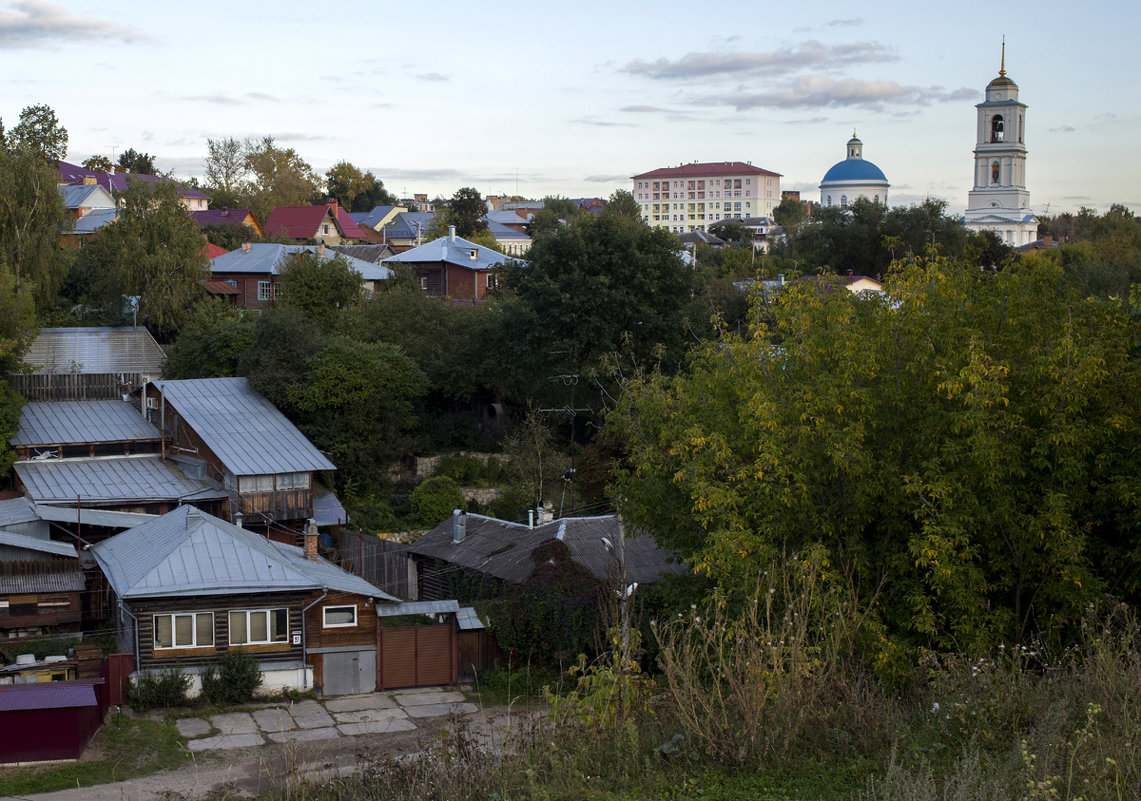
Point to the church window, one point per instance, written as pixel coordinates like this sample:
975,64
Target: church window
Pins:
877,198
996,128
843,201
1020,129
994,169
829,200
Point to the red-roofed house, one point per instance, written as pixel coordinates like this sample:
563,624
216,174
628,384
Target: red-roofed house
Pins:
329,224
694,196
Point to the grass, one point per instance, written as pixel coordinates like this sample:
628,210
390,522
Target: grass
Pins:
125,748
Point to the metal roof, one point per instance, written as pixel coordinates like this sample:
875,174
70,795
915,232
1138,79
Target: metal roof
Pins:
188,552
409,224
373,254
702,169
95,350
36,544
504,549
452,250
371,218
241,427
327,509
93,220
17,510
111,480
268,258
46,695
70,422
58,581
90,196
107,518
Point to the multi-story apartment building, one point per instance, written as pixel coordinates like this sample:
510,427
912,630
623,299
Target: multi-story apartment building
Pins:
694,196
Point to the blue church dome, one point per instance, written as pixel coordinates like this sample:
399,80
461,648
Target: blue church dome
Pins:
854,171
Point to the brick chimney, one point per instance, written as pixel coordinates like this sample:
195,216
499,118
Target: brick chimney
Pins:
311,540
332,204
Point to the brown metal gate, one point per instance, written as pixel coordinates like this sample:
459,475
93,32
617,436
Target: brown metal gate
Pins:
416,656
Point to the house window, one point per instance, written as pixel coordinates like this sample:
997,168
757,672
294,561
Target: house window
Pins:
264,290
292,481
232,282
259,626
263,483
493,280
188,630
339,616
325,229
424,282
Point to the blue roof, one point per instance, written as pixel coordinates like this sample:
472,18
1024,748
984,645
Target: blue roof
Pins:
69,422
854,171
404,225
243,429
120,480
450,250
188,552
267,258
93,220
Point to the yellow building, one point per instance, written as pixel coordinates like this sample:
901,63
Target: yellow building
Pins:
692,197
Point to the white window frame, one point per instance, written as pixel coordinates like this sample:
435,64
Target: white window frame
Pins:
282,637
265,290
325,616
174,644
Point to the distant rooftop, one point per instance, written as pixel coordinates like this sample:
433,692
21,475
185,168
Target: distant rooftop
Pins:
705,169
95,350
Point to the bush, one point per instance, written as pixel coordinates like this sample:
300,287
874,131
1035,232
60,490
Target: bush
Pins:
160,688
233,679
463,469
434,500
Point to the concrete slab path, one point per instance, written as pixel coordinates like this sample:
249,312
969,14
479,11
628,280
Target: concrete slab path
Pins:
325,719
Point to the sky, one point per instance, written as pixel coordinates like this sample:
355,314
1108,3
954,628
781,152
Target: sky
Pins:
574,98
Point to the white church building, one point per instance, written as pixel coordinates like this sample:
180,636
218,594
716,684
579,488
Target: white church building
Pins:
1000,201
852,178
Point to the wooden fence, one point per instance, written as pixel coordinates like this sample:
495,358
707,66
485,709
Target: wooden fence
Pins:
76,386
384,563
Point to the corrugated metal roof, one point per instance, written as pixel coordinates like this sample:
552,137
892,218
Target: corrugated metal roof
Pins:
17,510
373,254
188,552
46,695
371,218
36,544
468,619
418,608
62,581
95,350
452,251
91,196
409,225
327,509
93,220
267,259
107,518
241,427
114,480
504,549
70,422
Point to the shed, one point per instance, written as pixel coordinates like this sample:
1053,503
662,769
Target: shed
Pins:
55,720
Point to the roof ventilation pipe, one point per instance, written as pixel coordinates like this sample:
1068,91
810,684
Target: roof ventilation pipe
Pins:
452,233
459,526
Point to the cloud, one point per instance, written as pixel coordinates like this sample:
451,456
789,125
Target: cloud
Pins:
818,92
606,179
1063,129
644,109
602,123
388,174
850,22
32,23
216,99
297,136
262,96
808,55
433,77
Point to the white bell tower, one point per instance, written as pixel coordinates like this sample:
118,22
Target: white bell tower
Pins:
1000,201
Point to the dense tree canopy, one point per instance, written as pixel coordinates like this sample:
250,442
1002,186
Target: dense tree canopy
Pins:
965,449
356,191
599,288
152,251
38,133
319,289
279,177
132,161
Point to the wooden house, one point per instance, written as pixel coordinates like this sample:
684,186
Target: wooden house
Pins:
41,586
452,267
241,441
188,587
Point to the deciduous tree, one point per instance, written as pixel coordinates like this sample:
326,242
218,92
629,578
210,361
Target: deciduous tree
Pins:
133,161
98,164
279,177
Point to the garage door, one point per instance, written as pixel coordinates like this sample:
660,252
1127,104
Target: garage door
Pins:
349,672
417,656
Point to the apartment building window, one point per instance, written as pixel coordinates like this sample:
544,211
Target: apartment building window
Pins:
188,630
259,626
